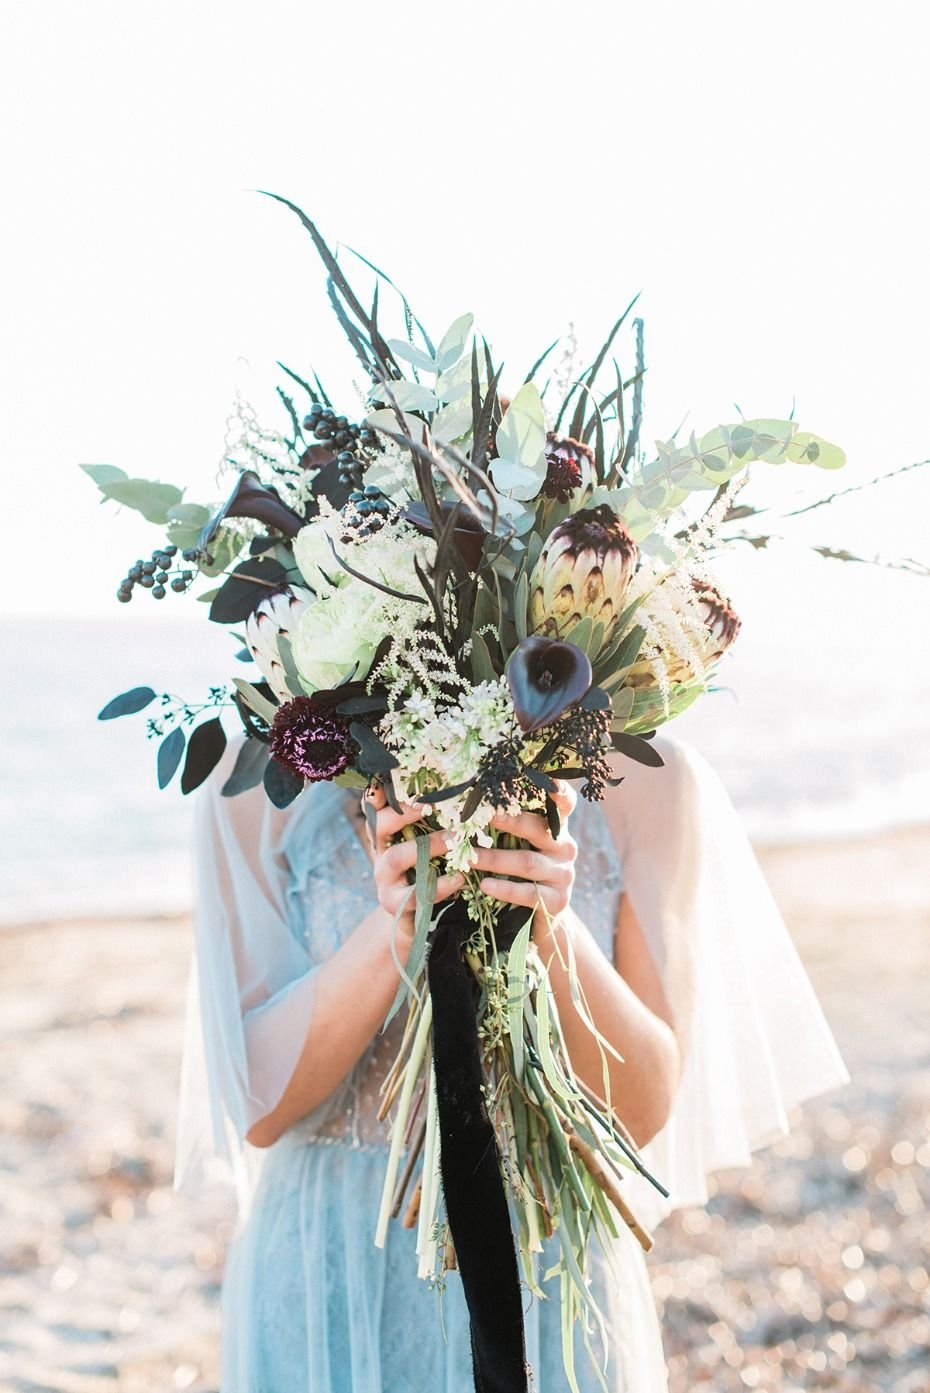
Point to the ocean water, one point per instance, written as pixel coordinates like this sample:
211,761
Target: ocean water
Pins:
822,727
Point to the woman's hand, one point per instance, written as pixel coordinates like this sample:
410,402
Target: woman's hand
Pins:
546,869
394,858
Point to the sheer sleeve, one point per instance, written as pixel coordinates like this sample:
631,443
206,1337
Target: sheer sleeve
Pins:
252,984
755,1038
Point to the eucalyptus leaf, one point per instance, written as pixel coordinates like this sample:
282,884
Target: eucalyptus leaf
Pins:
127,703
521,435
169,756
191,514
452,423
517,480
280,784
406,351
812,449
634,747
183,536
204,752
146,496
385,418
249,768
103,474
452,344
409,396
457,382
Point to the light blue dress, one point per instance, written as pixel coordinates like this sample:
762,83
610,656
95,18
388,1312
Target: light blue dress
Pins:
310,1304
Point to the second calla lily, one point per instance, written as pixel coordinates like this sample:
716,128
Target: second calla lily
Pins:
546,677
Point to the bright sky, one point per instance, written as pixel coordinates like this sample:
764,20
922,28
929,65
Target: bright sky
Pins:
759,172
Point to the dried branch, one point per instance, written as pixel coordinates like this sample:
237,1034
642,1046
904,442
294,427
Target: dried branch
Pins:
858,488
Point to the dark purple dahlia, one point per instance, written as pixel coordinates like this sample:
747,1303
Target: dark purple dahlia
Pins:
312,739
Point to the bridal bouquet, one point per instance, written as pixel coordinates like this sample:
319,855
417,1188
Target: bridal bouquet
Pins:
463,596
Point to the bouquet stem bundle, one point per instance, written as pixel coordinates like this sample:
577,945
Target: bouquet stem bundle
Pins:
519,1106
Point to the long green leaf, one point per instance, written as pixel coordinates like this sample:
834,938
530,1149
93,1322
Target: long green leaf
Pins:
425,891
520,604
517,995
481,666
254,699
553,1073
539,362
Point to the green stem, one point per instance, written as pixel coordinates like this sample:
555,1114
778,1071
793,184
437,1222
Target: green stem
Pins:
399,1126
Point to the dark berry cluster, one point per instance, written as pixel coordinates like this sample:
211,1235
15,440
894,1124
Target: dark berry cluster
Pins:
156,574
368,509
350,441
587,735
501,775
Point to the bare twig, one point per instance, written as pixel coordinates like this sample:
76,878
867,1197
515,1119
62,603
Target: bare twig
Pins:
603,1177
857,488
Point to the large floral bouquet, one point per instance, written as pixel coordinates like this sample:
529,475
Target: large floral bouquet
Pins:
463,597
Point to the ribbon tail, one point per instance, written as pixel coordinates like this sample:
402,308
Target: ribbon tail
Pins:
473,1188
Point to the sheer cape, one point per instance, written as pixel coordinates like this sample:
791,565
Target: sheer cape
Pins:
756,1041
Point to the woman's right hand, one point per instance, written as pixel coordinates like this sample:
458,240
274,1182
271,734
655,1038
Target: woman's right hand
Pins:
394,858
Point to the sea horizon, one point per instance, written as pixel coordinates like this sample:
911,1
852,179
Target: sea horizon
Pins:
86,832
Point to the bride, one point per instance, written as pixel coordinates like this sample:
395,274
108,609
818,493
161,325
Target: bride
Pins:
688,972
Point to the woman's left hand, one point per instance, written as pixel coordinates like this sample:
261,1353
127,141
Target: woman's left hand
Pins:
546,869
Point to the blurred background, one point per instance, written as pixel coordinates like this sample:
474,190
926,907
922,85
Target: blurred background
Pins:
757,172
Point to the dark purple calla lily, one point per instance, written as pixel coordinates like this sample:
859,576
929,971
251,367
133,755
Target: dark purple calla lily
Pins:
253,499
546,677
468,534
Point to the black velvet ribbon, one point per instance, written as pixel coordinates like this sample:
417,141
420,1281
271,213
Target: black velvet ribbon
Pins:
473,1188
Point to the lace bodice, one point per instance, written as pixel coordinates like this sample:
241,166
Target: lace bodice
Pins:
330,889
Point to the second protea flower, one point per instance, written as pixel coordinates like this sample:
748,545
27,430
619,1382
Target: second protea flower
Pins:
689,625
275,618
585,570
721,621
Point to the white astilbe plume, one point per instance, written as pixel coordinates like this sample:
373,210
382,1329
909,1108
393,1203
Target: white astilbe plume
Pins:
704,537
439,744
250,445
417,662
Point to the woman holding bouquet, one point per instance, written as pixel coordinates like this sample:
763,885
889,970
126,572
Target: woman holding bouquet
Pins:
686,970
461,603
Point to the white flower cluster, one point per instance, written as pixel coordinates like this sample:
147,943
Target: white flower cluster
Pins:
438,747
340,631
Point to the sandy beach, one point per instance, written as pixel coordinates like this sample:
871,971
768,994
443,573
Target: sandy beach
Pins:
809,1271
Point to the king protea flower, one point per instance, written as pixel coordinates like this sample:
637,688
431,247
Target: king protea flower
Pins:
275,618
584,570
